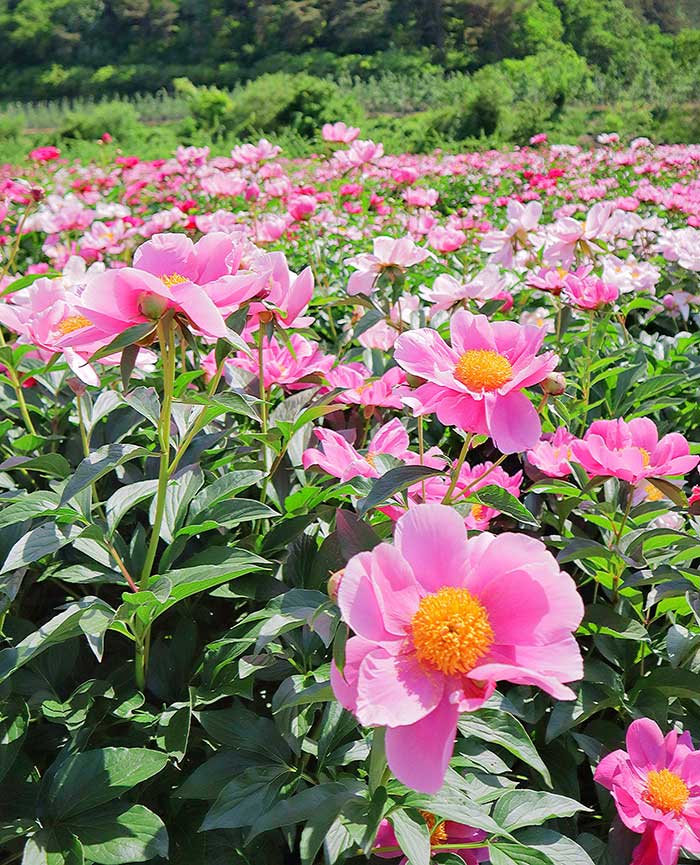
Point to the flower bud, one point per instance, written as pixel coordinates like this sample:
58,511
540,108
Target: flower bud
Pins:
554,384
334,584
414,380
152,306
78,387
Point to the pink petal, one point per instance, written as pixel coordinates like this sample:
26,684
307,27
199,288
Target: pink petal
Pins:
513,423
645,745
433,540
420,753
345,685
395,690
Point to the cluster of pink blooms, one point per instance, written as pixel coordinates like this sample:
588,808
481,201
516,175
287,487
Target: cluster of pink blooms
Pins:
447,610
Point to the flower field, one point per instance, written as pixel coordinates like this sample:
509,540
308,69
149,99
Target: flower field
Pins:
349,506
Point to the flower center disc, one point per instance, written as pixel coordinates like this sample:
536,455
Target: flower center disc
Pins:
172,279
482,369
73,322
666,791
451,631
438,833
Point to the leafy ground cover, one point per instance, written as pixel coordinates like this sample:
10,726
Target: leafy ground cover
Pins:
348,506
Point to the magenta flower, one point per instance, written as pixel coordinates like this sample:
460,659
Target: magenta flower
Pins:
446,832
339,132
477,384
438,621
390,255
340,459
361,389
288,294
656,787
632,451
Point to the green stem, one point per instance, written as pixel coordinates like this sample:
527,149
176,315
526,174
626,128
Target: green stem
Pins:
585,397
142,633
261,380
198,423
488,471
165,338
462,845
458,468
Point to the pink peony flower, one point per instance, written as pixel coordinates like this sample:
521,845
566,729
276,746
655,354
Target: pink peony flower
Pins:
551,455
340,459
252,154
446,239
438,621
211,264
446,832
523,220
540,138
632,451
477,384
284,367
339,132
655,784
390,255
361,389
288,294
588,292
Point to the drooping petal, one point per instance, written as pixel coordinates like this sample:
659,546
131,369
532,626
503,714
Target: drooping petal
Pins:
419,754
513,422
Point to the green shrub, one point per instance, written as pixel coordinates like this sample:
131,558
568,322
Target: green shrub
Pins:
11,126
119,119
210,107
301,103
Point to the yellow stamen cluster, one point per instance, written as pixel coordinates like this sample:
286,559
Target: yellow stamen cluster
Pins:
646,459
172,279
653,494
451,631
666,791
483,370
73,322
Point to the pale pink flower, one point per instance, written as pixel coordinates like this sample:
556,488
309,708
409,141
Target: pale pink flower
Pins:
477,384
389,254
632,451
339,132
523,220
552,453
509,613
252,154
655,784
361,389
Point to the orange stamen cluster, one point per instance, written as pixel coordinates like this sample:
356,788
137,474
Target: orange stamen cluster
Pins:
438,833
73,322
666,791
483,370
451,631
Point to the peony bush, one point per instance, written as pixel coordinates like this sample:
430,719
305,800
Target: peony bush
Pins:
349,506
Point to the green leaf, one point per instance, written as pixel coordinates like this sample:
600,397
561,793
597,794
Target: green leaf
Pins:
227,514
145,401
120,502
224,488
413,835
84,781
501,500
98,464
120,834
518,808
53,465
53,847
393,482
502,853
245,798
560,849
62,627
303,806
14,722
136,333
26,280
603,620
28,507
500,728
39,542
127,363
671,682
